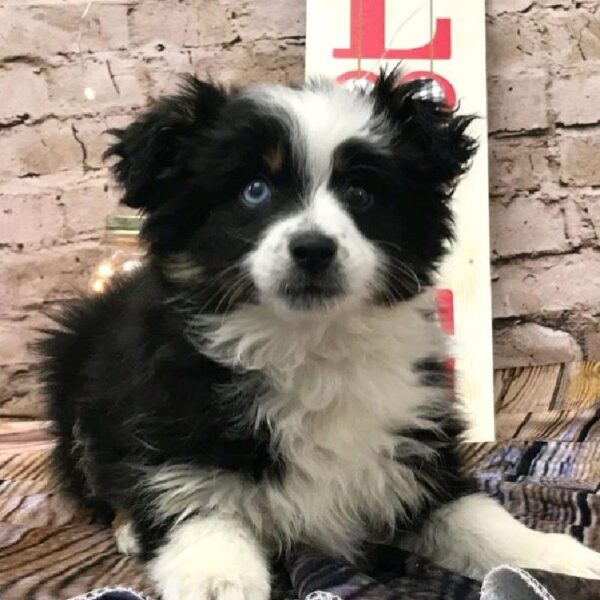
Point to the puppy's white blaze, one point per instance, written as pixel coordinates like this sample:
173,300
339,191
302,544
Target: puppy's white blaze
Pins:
322,117
270,261
358,257
339,391
475,534
211,557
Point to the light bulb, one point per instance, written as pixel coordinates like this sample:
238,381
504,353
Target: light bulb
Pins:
98,286
89,93
105,270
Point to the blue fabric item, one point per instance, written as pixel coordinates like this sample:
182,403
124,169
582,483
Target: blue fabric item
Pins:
117,593
118,596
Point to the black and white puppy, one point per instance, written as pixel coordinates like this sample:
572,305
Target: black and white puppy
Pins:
275,374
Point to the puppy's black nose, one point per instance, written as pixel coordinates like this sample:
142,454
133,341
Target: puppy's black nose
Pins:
313,251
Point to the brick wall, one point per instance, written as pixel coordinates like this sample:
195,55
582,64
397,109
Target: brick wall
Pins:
544,109
544,78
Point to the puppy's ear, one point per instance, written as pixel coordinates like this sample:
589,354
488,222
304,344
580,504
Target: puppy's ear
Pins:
147,150
427,129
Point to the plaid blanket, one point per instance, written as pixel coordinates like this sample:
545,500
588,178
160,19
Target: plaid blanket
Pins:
551,486
48,553
396,575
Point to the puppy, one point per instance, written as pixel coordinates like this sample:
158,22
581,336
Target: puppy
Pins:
275,374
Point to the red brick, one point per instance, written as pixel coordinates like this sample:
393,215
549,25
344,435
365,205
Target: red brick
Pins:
546,284
513,45
590,327
495,7
46,148
256,19
19,392
580,158
56,213
87,206
262,62
187,24
29,221
161,72
31,280
116,83
575,225
517,102
591,205
92,133
527,226
17,338
572,38
575,96
519,165
40,30
24,91
554,3
532,344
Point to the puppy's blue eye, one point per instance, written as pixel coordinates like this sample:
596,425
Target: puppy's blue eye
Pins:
256,193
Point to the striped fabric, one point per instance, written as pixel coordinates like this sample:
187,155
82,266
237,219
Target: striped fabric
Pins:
50,551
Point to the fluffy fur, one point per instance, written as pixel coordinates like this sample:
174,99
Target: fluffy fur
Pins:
275,374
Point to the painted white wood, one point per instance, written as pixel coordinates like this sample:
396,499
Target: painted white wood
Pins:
409,24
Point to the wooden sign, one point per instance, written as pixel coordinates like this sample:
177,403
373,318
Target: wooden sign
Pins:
443,40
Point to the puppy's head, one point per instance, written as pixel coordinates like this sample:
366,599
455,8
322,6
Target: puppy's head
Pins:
303,198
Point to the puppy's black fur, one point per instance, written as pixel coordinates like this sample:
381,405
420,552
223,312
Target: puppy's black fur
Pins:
127,390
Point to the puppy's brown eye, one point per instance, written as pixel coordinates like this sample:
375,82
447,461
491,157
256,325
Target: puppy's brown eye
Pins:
358,198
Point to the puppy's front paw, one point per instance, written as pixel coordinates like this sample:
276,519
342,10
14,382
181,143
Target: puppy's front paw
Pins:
563,554
211,559
216,587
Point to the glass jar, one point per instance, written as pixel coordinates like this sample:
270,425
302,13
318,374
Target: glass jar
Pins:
122,251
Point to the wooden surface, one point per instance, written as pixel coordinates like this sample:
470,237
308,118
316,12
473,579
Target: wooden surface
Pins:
559,402
49,550
52,551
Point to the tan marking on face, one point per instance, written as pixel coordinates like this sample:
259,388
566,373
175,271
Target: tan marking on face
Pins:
274,158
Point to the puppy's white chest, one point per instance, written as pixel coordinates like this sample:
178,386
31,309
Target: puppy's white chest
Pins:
342,452
337,396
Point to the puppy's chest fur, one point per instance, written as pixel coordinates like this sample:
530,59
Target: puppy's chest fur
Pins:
340,402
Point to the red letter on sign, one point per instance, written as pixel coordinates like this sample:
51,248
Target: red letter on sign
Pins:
367,36
445,303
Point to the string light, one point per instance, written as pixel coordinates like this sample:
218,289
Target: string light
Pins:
89,93
98,286
107,269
